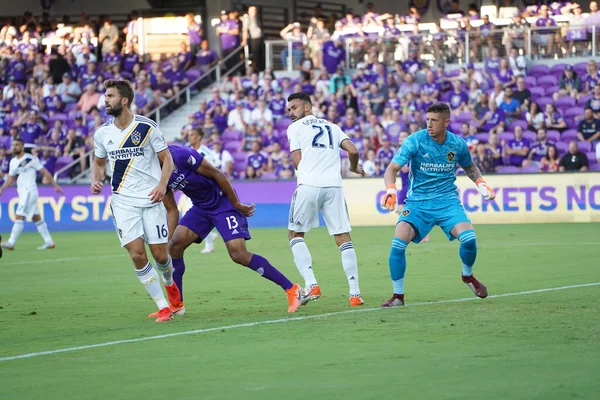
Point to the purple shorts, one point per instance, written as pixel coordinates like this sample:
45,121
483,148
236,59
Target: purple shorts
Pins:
230,223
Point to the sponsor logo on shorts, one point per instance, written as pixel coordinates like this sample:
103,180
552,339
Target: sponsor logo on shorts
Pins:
121,234
450,156
405,212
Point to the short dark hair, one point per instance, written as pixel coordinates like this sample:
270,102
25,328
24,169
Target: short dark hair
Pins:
439,108
300,96
199,130
18,139
123,87
588,108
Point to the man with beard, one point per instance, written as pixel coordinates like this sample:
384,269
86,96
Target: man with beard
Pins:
136,149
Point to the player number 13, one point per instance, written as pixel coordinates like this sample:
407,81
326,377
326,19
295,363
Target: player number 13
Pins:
232,222
320,132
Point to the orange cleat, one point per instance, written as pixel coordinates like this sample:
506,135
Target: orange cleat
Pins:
356,300
164,315
313,292
294,295
173,294
177,310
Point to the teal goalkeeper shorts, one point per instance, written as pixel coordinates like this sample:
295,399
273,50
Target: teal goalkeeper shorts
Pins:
424,215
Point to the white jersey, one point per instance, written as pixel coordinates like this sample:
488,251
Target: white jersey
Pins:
132,153
207,153
319,141
25,169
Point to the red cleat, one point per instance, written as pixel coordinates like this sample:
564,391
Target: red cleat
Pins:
164,315
477,287
397,300
173,294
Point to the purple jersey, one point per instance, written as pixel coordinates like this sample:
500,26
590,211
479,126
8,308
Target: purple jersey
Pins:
53,104
31,132
228,41
430,88
268,141
332,56
112,59
457,99
411,66
518,145
538,149
492,65
175,76
497,117
384,157
504,77
194,34
350,129
206,57
18,71
393,103
541,22
129,61
87,78
592,81
402,192
277,107
282,168
257,160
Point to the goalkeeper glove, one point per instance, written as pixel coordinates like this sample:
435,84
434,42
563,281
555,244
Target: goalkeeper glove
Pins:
486,190
389,199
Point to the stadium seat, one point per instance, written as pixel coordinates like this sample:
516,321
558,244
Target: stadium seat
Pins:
230,134
591,155
565,102
583,99
547,80
508,169
573,112
517,122
5,140
530,169
553,135
584,147
569,135
544,101
562,147
539,70
193,74
482,137
455,127
558,68
240,156
240,165
506,136
282,124
61,162
268,176
580,68
595,167
232,146
550,90
537,93
464,117
530,135
530,81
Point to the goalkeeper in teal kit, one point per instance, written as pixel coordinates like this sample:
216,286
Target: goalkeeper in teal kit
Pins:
433,154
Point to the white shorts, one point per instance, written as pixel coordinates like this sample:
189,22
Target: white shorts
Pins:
149,223
309,200
28,203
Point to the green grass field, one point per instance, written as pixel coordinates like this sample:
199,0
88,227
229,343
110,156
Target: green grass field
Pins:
543,345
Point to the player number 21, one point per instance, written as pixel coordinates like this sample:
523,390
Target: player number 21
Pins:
320,132
161,231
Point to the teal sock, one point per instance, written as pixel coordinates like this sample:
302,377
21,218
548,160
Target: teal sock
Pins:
397,263
467,251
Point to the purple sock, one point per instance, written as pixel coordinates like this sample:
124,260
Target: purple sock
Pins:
267,271
178,271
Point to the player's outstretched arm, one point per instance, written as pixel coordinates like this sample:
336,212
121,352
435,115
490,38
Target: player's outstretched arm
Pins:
50,178
211,172
390,198
98,173
353,156
166,162
474,174
172,212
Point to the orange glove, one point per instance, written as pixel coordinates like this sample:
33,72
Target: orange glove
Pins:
486,190
390,199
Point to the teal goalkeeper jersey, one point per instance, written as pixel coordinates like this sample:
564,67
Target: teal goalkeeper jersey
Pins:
432,165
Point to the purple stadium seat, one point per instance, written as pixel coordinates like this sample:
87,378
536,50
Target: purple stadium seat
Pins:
193,74
530,169
583,99
543,101
569,135
483,137
585,147
508,169
453,73
591,155
517,122
565,102
537,92
595,167
580,68
558,68
570,123
530,135
445,97
233,146
547,80
268,175
539,70
230,134
56,117
464,117
5,140
530,81
70,107
550,90
239,165
240,156
455,127
573,112
61,162
562,147
553,136
506,136
282,124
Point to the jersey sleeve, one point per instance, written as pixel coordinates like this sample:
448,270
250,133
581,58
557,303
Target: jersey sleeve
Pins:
341,136
99,150
186,159
406,152
12,170
464,156
292,134
157,141
36,163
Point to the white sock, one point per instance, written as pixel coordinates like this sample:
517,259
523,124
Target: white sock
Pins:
16,231
43,230
209,240
166,271
151,281
350,266
303,261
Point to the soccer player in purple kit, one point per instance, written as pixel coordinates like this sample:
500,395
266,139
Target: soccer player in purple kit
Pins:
215,204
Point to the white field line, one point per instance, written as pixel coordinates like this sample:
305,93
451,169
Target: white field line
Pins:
443,244
281,320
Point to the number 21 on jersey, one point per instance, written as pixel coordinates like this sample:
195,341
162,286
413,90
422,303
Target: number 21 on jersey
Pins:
320,132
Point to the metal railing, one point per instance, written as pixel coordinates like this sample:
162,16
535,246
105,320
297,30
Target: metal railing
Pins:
69,166
454,46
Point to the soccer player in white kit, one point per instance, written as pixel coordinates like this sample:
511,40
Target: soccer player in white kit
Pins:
136,149
315,149
195,137
24,167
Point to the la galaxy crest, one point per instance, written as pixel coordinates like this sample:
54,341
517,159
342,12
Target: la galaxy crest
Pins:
450,156
405,212
136,138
